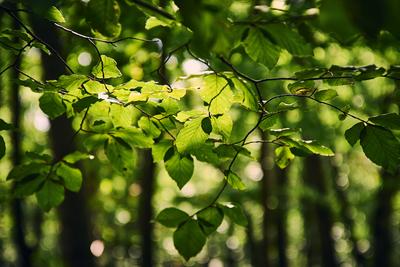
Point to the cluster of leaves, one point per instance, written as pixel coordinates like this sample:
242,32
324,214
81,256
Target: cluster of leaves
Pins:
176,136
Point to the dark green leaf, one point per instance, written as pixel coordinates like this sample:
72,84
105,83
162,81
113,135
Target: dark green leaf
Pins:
206,125
21,171
389,120
103,17
2,147
324,95
260,49
84,103
352,134
310,73
268,122
50,195
5,126
172,217
189,239
289,40
120,155
235,213
28,185
209,219
381,147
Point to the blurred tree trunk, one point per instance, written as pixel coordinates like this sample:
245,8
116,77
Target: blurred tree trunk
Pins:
318,217
146,208
281,217
24,252
382,221
273,189
75,236
266,191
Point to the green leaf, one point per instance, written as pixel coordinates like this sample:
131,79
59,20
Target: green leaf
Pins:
52,105
191,136
76,156
316,148
324,95
381,147
206,153
149,127
39,156
103,17
120,154
222,125
235,213
217,92
268,121
50,195
172,217
55,15
2,147
310,73
209,219
159,149
189,239
84,103
134,137
247,94
109,67
301,87
71,82
260,49
153,22
206,125
28,185
352,134
389,120
369,72
283,156
94,141
19,172
72,177
235,181
179,167
289,39
5,126
283,132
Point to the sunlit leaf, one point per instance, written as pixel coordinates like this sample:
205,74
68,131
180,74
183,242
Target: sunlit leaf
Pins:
179,167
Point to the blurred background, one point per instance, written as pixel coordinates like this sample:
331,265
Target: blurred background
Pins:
319,211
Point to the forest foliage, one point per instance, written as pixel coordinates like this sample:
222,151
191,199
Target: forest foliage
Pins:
258,71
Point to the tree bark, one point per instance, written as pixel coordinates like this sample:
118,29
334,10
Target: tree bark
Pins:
320,244
24,258
146,208
75,236
381,224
